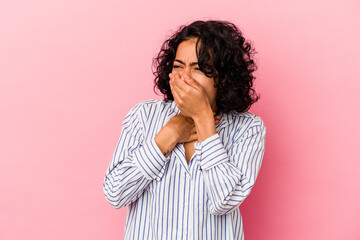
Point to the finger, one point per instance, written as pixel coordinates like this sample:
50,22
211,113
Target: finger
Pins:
179,85
192,82
193,137
189,83
182,85
178,82
175,93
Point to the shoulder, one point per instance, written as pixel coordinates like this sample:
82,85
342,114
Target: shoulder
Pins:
148,108
245,119
138,116
246,124
255,120
154,104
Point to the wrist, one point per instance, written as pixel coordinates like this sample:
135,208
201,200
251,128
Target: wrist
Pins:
205,125
166,140
203,116
173,135
170,129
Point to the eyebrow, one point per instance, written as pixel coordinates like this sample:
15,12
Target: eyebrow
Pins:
191,64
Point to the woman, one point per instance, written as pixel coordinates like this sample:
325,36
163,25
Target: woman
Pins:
184,164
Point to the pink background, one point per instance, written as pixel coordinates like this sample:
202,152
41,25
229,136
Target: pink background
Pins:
71,70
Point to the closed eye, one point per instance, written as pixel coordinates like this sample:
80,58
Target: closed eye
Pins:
175,66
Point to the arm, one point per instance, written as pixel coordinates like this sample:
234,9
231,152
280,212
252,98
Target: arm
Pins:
229,176
134,164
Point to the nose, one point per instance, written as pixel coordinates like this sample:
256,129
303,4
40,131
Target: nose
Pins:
186,71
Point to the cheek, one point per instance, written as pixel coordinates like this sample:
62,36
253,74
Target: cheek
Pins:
200,81
199,76
207,83
177,70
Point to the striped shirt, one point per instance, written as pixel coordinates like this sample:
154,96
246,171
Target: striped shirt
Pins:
169,198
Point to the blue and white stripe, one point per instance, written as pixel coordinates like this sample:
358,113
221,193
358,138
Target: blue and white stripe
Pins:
171,199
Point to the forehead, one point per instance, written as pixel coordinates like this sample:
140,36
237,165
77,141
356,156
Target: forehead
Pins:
186,49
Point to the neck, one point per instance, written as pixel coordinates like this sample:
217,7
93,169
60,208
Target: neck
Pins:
214,108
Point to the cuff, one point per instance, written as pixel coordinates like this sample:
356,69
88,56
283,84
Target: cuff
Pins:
210,152
150,160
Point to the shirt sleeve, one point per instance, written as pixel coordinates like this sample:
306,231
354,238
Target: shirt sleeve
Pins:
230,175
134,164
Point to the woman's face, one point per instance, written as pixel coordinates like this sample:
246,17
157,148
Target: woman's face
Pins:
186,63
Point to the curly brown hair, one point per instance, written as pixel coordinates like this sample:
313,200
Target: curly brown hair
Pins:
232,62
